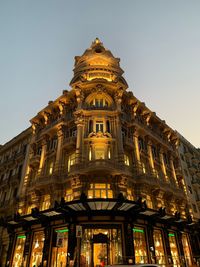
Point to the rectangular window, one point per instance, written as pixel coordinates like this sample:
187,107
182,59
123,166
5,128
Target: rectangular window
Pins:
46,202
37,249
174,249
59,247
99,126
100,191
186,250
71,160
140,245
126,160
19,250
159,248
99,153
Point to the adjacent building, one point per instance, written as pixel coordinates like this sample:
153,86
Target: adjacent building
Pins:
102,180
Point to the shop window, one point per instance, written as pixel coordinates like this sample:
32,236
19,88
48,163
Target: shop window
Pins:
186,250
99,153
159,248
100,191
140,245
46,202
69,195
174,249
37,249
71,160
19,250
99,126
59,247
126,160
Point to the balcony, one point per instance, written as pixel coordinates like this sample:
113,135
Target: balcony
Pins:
44,179
101,165
69,142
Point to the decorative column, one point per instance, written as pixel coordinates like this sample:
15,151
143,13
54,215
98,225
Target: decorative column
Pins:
72,242
136,150
10,247
173,170
151,161
80,124
167,245
129,245
43,155
119,140
27,245
47,241
163,164
60,136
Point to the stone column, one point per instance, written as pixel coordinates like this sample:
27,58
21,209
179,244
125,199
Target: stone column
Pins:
163,165
173,170
60,137
80,124
129,245
43,155
10,247
151,161
136,150
119,140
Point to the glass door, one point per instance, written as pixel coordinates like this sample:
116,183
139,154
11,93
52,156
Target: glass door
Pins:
100,254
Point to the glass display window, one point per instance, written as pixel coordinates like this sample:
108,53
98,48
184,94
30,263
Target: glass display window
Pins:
19,250
186,249
174,249
100,247
140,245
37,249
159,247
59,248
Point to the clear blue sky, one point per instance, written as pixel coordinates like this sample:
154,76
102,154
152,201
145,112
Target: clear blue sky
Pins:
158,42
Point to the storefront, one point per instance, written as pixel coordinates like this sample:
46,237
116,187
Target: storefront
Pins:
109,232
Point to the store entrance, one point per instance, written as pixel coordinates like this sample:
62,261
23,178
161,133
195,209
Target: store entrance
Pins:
101,246
100,250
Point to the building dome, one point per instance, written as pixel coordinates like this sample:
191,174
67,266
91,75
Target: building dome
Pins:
97,63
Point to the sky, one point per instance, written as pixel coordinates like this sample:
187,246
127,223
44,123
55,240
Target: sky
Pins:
158,42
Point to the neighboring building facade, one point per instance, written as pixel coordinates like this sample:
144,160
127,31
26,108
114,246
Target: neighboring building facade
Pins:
13,160
190,164
102,181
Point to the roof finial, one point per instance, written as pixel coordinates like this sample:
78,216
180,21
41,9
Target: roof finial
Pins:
97,41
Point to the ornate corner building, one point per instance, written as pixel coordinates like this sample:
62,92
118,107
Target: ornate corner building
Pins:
98,179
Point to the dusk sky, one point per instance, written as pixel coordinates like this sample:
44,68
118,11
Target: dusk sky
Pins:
158,42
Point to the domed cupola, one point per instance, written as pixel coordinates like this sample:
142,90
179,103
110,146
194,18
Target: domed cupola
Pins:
97,64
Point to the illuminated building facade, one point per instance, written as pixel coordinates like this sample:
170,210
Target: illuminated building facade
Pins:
102,182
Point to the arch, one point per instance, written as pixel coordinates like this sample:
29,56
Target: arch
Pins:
99,99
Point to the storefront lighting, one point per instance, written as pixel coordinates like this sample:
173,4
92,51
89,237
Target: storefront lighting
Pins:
138,230
62,231
21,236
170,234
